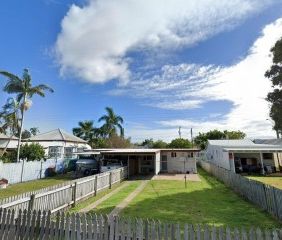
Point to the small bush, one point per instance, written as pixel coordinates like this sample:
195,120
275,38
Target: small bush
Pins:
32,152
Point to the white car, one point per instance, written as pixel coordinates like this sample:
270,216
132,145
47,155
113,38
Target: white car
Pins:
111,166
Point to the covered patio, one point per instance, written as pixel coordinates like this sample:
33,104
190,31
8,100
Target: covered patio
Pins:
260,160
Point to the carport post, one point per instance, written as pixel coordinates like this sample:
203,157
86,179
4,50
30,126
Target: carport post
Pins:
127,166
261,161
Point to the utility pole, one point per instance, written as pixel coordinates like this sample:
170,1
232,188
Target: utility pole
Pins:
179,132
192,140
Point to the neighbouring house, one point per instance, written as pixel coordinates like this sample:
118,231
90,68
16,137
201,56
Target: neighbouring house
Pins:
59,144
243,156
9,142
153,161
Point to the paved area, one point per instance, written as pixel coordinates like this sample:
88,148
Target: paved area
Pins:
128,199
99,201
189,177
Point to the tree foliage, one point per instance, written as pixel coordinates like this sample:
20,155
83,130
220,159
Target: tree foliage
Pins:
275,97
180,143
160,144
112,123
25,91
85,130
32,152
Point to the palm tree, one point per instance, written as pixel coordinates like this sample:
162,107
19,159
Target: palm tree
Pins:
85,130
10,120
25,91
112,122
34,131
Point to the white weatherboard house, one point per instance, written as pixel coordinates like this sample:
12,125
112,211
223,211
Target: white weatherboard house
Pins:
59,144
244,155
9,142
153,161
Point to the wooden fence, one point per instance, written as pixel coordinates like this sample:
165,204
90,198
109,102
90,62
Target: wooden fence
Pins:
43,225
265,196
64,195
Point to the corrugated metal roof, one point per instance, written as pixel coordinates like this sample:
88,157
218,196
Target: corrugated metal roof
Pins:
56,135
269,141
231,143
3,136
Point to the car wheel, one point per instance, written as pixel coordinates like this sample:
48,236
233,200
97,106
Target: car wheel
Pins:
86,172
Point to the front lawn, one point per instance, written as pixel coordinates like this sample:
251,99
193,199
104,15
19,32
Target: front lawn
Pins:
19,188
206,202
275,181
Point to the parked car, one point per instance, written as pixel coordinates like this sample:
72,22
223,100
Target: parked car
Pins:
88,163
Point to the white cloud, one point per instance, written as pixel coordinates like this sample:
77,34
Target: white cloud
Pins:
95,39
242,84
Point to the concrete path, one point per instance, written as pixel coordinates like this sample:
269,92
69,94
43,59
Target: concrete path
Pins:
102,199
128,199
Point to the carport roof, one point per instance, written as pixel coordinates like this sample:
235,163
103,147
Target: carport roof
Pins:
255,148
128,150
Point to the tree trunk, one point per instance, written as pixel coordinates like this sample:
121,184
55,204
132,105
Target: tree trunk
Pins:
21,130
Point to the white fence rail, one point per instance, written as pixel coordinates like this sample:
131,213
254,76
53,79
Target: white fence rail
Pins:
63,195
25,171
42,225
265,196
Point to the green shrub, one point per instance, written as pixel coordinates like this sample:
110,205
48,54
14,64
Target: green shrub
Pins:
32,152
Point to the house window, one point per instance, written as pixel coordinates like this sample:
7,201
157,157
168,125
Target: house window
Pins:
55,152
173,154
230,156
69,152
190,154
267,156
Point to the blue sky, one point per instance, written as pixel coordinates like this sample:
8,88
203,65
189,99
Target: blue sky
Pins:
160,66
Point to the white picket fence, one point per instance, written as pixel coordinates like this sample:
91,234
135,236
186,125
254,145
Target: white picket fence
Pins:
64,195
42,225
265,196
25,171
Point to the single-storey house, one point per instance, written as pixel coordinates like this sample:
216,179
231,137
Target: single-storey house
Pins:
153,161
243,155
9,142
59,144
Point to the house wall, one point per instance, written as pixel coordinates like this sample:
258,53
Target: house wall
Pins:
217,156
176,164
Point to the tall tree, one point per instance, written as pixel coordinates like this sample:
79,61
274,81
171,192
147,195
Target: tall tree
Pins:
112,122
275,97
9,118
25,91
180,143
85,130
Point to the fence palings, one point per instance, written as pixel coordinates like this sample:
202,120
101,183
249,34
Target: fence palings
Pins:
61,196
44,225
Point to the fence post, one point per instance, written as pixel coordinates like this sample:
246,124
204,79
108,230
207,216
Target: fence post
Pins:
110,180
31,202
74,194
121,175
96,185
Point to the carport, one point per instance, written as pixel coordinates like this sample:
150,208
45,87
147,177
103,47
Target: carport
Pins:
255,159
138,161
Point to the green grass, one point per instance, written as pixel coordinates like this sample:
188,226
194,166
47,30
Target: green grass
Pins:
20,188
93,199
270,180
108,205
205,202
